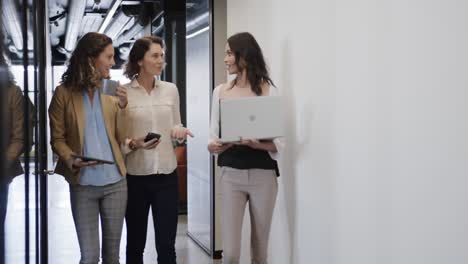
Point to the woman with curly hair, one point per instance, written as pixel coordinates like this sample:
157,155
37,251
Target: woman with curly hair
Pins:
86,122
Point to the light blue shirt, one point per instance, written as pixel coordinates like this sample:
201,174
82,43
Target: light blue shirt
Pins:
97,145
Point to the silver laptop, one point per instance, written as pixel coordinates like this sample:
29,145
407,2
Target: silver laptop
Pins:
257,117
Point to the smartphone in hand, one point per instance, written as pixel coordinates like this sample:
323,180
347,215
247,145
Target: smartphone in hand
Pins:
152,136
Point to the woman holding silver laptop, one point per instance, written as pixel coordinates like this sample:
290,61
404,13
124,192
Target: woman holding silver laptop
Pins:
86,122
248,168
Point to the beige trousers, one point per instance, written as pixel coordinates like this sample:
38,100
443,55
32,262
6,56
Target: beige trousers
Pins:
259,188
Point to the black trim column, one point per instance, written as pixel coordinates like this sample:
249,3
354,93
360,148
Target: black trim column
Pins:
24,31
3,133
40,61
174,37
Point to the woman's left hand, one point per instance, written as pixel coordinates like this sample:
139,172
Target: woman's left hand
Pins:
253,143
122,95
181,133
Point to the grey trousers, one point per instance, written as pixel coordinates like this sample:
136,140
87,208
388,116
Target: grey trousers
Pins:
108,202
259,188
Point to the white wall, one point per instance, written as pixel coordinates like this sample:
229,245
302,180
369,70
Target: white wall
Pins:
377,160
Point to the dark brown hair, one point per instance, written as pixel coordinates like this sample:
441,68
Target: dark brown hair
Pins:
245,48
81,73
137,53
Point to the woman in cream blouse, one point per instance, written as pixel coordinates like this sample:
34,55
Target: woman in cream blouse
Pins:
153,106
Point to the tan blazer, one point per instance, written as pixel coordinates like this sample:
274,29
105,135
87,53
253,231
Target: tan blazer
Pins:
13,124
67,122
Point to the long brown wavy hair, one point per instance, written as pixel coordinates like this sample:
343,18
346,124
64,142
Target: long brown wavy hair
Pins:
245,48
81,74
137,53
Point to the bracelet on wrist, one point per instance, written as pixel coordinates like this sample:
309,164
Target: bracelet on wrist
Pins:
132,145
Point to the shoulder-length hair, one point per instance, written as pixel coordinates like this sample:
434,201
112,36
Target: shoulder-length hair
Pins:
246,50
137,53
81,74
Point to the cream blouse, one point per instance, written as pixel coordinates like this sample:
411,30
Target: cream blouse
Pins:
157,112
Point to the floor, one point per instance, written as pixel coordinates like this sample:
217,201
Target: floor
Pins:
63,245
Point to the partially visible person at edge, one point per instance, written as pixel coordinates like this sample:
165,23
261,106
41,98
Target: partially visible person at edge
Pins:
248,168
153,106
83,121
12,124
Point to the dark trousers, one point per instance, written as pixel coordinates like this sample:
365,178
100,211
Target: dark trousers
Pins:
160,192
3,209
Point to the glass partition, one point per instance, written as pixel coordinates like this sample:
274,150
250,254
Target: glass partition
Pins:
201,223
21,171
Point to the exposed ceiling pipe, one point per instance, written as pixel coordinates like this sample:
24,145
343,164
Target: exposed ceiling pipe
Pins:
117,25
62,2
57,18
19,53
160,27
158,15
199,21
97,5
129,34
110,14
131,2
11,20
124,51
76,10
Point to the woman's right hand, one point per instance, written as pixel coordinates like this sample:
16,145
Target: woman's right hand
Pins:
139,143
79,163
216,147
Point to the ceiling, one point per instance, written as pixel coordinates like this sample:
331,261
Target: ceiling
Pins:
122,20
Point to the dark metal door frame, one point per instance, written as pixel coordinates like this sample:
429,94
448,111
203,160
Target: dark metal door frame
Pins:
39,30
40,62
24,31
32,19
